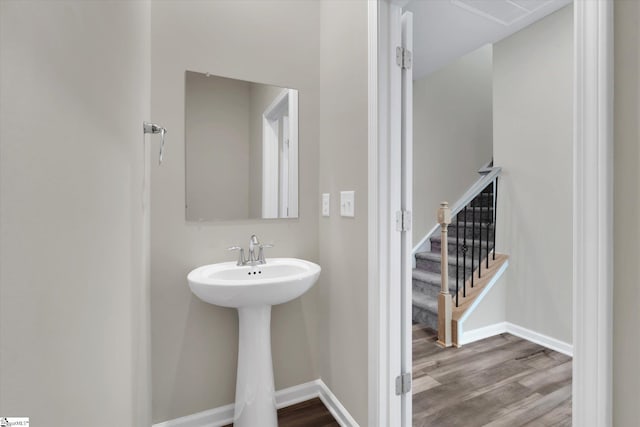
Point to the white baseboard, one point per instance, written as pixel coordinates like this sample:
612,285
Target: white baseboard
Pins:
223,415
339,412
538,338
524,333
482,333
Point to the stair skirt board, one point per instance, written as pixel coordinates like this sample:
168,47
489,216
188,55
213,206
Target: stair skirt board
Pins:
223,415
524,333
478,300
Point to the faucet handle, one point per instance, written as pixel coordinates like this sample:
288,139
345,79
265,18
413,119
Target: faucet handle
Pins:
261,259
240,254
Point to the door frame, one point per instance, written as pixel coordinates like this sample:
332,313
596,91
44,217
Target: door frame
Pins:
592,214
277,203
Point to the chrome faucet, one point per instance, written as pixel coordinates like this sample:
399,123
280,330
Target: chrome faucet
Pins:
252,259
254,243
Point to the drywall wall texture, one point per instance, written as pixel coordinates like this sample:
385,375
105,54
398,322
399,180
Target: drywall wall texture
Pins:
452,134
194,344
217,121
74,91
533,131
343,157
626,291
492,310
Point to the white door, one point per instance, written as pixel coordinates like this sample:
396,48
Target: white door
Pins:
395,203
400,200
407,206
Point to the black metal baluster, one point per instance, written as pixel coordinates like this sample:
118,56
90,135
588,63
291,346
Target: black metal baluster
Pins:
480,238
473,237
489,218
457,253
495,215
464,255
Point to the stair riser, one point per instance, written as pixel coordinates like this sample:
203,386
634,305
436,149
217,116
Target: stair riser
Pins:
481,215
431,289
425,317
483,199
451,249
451,230
435,267
424,288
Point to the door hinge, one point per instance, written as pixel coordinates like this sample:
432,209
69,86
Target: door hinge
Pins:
403,220
403,383
403,58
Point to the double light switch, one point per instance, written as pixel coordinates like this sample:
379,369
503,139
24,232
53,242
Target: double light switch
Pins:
347,204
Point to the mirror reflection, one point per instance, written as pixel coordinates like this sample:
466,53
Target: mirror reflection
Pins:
241,143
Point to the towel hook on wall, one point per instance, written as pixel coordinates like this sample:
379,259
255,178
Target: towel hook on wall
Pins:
153,128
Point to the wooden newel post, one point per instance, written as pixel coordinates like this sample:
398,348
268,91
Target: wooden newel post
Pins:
444,298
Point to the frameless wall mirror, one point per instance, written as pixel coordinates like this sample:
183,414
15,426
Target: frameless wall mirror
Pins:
241,149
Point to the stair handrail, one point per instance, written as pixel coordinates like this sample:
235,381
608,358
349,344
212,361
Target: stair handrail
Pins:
489,174
487,178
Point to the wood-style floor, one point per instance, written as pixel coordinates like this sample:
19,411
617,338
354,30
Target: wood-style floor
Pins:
311,413
499,381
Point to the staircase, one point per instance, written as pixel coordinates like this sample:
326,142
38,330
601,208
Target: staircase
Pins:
426,275
472,263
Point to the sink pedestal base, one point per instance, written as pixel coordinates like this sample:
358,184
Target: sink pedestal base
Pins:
255,393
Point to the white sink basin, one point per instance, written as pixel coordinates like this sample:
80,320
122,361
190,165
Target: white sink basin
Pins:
253,290
229,285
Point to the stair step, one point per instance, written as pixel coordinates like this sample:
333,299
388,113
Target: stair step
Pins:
424,317
428,283
425,310
472,229
425,302
426,276
476,213
431,262
483,199
452,246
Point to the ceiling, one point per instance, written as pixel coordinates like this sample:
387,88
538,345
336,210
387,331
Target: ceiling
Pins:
444,30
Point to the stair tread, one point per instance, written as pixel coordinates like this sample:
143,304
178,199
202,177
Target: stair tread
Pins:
425,302
470,224
432,279
452,239
426,276
484,208
436,256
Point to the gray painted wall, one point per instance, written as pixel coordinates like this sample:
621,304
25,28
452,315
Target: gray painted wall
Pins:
533,139
533,131
626,287
452,134
74,85
194,344
342,298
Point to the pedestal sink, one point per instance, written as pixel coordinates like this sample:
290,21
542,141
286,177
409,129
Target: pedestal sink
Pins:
253,290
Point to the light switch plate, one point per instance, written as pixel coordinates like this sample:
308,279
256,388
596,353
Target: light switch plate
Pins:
326,204
347,203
